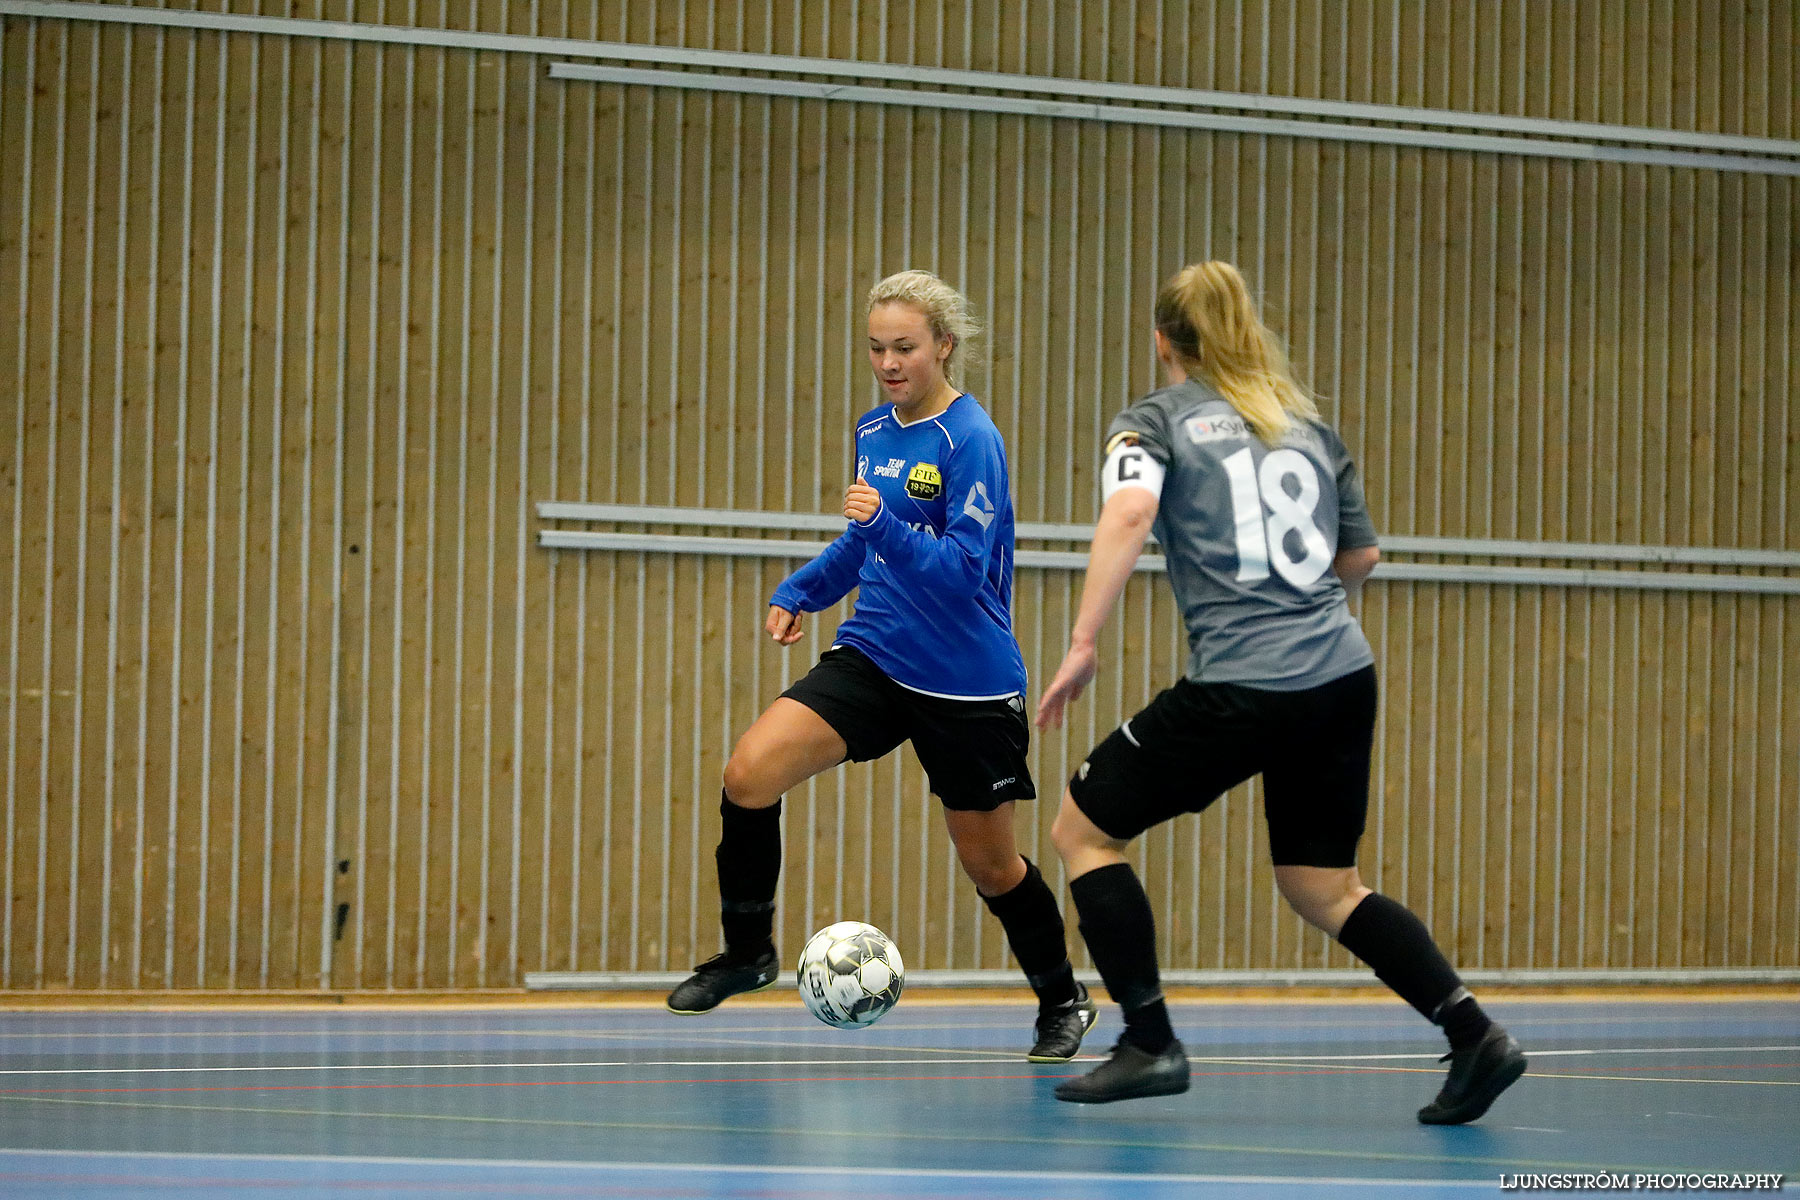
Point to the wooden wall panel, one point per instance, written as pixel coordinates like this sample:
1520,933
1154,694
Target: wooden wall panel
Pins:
297,332
1609,61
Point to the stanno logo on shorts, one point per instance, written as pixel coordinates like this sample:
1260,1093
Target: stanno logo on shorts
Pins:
1004,782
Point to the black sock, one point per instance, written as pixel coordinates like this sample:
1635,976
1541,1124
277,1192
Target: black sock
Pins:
1034,930
749,858
1387,936
1462,1020
1120,931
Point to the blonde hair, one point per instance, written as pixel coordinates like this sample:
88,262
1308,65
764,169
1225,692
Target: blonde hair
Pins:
1206,313
945,310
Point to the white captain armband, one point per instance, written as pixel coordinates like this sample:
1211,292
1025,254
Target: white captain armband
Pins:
1128,464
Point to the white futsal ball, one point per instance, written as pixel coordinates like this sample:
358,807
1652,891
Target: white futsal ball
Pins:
850,974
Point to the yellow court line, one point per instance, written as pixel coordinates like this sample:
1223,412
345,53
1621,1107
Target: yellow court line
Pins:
1670,1079
814,1132
559,1031
1530,1074
641,1035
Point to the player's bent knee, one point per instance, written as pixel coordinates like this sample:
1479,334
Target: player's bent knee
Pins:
745,785
1310,907
991,876
1323,896
994,867
1072,833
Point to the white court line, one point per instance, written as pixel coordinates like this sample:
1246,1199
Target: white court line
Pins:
698,1041
860,1171
460,1030
1231,1060
742,1064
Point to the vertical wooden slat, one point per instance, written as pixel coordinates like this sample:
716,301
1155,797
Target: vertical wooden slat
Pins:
89,685
56,768
381,311
141,339
32,503
439,744
99,879
203,385
408,352
15,159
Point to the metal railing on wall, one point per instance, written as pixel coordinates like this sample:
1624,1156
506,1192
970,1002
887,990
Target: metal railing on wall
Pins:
747,546
1138,104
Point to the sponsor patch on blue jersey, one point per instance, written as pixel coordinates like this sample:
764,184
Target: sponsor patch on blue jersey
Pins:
925,482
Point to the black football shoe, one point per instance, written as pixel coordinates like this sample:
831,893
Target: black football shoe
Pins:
719,978
1130,1074
1477,1077
1060,1029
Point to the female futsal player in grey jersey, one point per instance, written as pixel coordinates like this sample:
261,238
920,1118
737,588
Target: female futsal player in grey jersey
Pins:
1261,517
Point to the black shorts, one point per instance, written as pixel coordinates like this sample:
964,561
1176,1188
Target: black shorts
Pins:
973,751
1196,741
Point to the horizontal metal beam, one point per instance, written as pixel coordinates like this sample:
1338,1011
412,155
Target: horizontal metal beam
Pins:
1718,556
733,518
1648,581
1659,581
652,514
1523,128
662,543
570,981
1166,118
1711,556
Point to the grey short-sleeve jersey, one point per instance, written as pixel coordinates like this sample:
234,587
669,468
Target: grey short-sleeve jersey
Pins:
1249,533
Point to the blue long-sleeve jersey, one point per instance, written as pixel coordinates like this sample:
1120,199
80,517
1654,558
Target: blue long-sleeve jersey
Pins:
934,565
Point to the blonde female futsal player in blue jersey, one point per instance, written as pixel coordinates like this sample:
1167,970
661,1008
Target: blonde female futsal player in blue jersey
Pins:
929,655
1261,518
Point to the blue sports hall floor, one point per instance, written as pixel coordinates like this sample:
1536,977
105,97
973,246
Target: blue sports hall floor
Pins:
1290,1098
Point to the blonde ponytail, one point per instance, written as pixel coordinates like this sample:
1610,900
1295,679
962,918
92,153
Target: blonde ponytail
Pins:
1206,313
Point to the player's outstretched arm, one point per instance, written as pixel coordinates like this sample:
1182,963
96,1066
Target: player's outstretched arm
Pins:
1118,540
783,626
825,580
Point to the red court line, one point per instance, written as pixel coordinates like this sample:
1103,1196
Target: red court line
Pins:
185,1185
150,1184
523,1083
1737,1066
182,1185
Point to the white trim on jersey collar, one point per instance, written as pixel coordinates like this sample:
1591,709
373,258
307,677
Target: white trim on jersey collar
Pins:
936,418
